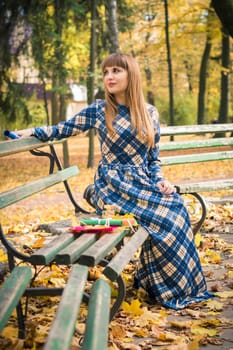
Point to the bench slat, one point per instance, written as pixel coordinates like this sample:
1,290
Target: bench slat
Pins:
12,290
181,145
19,193
121,259
101,248
22,145
96,334
196,158
72,252
206,186
196,129
63,326
45,255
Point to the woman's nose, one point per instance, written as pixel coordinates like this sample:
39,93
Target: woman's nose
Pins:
109,75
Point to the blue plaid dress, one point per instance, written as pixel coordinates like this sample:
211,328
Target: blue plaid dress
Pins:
127,176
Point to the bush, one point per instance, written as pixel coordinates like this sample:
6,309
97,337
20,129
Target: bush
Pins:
184,110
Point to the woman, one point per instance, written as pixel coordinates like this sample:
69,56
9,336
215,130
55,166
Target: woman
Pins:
129,177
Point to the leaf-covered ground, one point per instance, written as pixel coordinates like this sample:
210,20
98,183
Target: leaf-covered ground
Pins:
140,324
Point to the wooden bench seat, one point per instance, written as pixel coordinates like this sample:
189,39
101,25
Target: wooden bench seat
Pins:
11,292
77,252
63,326
64,323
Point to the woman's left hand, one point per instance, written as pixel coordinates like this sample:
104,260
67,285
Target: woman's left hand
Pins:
166,187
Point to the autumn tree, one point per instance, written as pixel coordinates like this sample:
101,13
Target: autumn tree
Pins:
224,10
14,35
112,26
91,79
203,73
225,72
169,62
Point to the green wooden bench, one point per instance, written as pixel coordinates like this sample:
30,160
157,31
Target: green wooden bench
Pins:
90,250
86,250
215,149
202,129
11,292
63,326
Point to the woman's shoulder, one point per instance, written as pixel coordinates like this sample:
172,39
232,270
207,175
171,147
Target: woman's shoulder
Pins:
153,111
100,103
96,105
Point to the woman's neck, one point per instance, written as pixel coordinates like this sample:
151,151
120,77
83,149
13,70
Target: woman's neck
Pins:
120,99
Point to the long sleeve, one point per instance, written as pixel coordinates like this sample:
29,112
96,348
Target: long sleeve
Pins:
84,120
154,165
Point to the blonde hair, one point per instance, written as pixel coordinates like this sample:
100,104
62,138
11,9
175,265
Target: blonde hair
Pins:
140,118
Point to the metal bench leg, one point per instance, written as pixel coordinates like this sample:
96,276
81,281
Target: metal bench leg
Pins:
20,319
121,292
196,226
120,296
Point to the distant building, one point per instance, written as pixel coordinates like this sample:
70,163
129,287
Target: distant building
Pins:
79,99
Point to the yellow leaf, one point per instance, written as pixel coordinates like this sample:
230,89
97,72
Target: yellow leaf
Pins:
118,331
216,259
181,324
3,256
149,318
226,294
198,239
133,307
214,305
128,340
39,243
10,332
194,345
140,332
203,331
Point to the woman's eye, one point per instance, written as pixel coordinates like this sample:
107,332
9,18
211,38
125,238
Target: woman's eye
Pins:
116,70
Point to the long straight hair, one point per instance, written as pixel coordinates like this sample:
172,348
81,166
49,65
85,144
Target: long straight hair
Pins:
141,120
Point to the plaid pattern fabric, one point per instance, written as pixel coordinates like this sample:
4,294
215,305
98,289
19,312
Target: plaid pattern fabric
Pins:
127,176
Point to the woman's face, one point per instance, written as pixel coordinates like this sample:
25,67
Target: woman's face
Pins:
115,80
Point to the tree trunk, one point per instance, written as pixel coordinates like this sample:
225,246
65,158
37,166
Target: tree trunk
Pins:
223,108
169,62
224,10
112,25
54,101
150,95
91,80
202,83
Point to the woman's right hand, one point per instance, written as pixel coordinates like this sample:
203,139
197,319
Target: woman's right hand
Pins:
25,132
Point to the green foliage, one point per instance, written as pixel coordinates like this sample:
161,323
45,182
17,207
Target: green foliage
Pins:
57,38
14,110
184,109
211,112
37,113
162,105
19,110
125,11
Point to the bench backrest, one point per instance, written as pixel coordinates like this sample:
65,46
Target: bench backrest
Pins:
196,129
24,144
